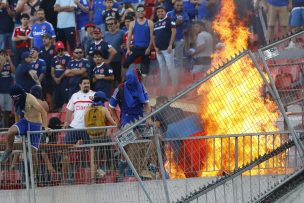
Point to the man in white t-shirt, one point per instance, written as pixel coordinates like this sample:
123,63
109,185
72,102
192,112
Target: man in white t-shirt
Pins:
77,105
66,21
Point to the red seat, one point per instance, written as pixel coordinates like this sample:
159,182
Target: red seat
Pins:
83,176
110,177
129,179
10,180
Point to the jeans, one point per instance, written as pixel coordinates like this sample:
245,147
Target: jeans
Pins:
6,38
166,63
179,53
138,52
81,36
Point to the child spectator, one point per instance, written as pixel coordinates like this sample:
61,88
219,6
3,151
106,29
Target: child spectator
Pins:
103,76
59,64
21,38
76,69
110,11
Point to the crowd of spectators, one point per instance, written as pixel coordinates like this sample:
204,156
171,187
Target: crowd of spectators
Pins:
53,43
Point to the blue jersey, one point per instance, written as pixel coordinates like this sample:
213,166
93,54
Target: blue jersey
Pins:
98,8
101,84
39,66
77,65
23,77
102,46
278,2
127,115
82,18
110,13
6,79
38,29
179,28
191,9
162,32
298,3
59,63
141,34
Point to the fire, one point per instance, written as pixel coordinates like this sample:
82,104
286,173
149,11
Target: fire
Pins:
232,104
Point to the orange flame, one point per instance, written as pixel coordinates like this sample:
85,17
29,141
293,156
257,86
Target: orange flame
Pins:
227,98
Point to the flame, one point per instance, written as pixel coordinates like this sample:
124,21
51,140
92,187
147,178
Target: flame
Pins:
227,100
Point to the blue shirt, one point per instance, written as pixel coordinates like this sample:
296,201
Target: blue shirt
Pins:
39,66
127,115
82,18
23,77
98,8
6,79
181,27
278,2
101,84
102,46
38,29
202,11
190,9
297,3
162,32
59,63
77,65
141,34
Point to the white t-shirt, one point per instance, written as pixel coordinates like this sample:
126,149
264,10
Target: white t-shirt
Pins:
78,104
204,38
66,19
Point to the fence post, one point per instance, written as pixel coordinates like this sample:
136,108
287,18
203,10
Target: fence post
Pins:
30,158
26,170
124,153
236,153
161,165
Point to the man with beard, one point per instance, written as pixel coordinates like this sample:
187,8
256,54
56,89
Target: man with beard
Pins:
40,28
34,118
77,106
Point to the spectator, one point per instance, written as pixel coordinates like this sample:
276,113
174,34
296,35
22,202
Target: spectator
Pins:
110,11
34,118
88,38
21,38
6,25
82,18
16,16
142,30
115,36
40,28
50,14
191,7
277,11
164,36
126,9
297,17
47,53
182,24
108,52
103,77
59,64
77,106
203,47
76,69
38,65
25,76
6,80
132,98
29,7
66,21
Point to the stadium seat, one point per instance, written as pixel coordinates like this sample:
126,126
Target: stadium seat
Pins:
110,177
10,179
129,179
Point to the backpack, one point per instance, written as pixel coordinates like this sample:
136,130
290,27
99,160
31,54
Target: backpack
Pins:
95,117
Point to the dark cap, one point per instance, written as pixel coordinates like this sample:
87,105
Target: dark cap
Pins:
100,95
160,6
25,54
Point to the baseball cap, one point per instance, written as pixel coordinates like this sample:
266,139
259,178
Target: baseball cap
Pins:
160,6
97,30
100,95
90,25
59,45
25,54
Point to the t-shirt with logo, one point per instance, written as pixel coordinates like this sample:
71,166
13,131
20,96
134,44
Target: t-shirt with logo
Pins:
38,29
77,65
47,56
179,28
39,66
98,7
78,104
19,31
101,84
60,64
110,13
102,46
23,77
82,18
6,79
162,32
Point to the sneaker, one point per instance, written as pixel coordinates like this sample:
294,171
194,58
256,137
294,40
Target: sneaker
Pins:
100,172
291,45
5,155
